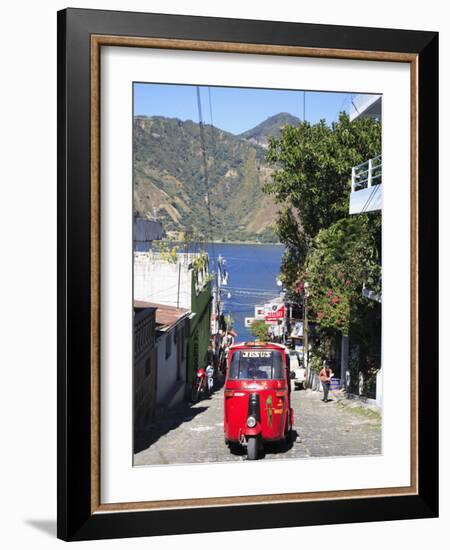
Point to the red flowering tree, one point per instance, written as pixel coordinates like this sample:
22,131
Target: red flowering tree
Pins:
343,259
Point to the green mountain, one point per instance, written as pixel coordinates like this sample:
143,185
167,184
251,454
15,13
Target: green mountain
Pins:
260,134
169,180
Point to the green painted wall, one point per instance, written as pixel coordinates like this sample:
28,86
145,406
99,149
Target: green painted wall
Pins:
200,334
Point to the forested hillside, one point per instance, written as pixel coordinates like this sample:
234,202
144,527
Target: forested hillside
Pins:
170,183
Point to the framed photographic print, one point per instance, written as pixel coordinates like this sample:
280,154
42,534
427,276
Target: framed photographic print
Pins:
247,243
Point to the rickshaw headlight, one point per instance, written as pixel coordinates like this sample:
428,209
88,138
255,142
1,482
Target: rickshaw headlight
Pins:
251,421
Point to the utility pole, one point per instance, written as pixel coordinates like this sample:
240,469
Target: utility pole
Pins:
178,291
219,282
305,331
219,276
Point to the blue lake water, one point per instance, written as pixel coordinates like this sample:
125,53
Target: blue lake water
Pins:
252,277
253,271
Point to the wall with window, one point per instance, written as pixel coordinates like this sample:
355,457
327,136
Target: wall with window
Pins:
171,365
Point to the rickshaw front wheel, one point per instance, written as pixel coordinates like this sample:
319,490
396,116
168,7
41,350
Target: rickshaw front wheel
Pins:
252,448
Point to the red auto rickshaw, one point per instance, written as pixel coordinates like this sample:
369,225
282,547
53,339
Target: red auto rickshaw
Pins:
257,396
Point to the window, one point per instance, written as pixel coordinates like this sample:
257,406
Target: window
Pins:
168,345
257,365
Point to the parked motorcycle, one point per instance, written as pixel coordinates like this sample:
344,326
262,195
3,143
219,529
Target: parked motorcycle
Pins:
199,385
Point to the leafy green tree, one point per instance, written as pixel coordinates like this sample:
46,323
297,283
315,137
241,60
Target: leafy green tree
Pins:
260,331
229,322
296,243
311,179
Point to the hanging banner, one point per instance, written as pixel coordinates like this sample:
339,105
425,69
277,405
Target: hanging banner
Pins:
259,313
273,312
297,330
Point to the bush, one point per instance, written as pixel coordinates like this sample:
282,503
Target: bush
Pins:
260,331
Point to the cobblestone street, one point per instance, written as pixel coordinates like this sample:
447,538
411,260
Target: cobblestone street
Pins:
194,433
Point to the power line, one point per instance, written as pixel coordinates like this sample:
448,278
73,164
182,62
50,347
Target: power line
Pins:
205,168
346,98
355,107
205,165
370,198
254,290
248,259
213,148
213,140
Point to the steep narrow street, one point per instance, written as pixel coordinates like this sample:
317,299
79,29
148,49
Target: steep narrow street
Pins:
194,433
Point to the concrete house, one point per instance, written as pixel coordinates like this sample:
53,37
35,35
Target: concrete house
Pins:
171,327
183,283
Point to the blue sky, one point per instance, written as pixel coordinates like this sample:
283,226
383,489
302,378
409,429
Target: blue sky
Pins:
235,109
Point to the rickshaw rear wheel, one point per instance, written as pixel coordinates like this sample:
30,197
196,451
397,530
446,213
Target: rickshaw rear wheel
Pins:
288,438
252,448
288,433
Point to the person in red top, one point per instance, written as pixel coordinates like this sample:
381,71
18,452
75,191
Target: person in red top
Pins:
325,376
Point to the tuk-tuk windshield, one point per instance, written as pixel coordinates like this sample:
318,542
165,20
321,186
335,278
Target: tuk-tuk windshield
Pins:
258,364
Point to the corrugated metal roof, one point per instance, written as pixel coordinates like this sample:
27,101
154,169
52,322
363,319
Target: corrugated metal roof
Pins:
147,230
166,316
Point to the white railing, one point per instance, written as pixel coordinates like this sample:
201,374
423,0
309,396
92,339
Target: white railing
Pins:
367,174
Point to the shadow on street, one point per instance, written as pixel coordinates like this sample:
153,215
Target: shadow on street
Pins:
269,448
279,447
168,421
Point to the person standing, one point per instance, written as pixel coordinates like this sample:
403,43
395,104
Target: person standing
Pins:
210,378
210,355
325,376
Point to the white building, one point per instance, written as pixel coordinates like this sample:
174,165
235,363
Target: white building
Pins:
171,328
156,279
367,180
365,106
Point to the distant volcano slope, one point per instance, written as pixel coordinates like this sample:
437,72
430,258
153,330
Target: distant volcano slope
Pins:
169,179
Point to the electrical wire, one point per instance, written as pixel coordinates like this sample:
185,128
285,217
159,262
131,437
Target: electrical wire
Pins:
369,199
205,169
346,98
248,292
